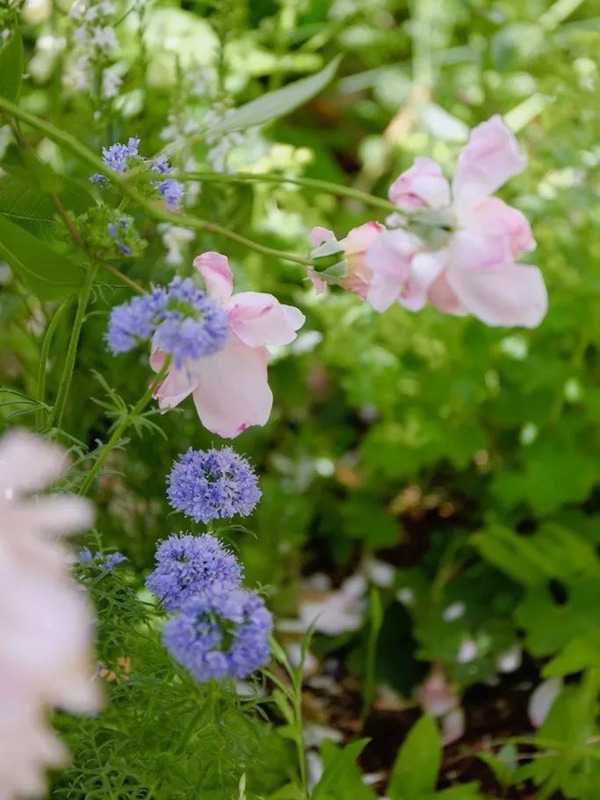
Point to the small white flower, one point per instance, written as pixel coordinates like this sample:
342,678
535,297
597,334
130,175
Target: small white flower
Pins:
467,652
454,611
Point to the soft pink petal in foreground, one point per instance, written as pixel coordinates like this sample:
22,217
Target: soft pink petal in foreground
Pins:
259,319
490,159
232,392
46,625
421,186
214,268
512,294
19,449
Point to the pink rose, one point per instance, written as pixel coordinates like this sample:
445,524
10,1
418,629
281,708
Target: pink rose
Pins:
230,388
475,272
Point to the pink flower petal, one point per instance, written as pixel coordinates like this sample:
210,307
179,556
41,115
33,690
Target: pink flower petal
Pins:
318,235
258,319
389,260
489,159
232,391
214,268
472,249
177,385
424,269
20,451
360,238
513,294
495,218
442,296
421,186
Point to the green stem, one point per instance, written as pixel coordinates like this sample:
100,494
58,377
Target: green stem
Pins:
121,427
297,702
67,374
309,183
44,353
153,209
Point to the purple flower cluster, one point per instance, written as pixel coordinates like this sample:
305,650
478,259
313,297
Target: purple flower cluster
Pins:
112,560
123,157
220,633
208,484
187,565
183,321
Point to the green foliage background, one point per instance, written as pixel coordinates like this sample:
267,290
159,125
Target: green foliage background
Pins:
463,455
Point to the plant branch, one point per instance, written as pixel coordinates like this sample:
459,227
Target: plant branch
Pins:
121,427
152,208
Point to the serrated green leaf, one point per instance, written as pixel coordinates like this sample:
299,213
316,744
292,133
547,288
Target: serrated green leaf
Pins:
48,274
415,771
11,67
278,103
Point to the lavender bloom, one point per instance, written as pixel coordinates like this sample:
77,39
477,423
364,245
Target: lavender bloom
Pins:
117,156
208,484
121,157
113,560
183,320
85,557
135,321
187,565
172,192
220,633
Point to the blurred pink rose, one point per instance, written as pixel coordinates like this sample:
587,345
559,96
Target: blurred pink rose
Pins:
475,271
46,626
230,388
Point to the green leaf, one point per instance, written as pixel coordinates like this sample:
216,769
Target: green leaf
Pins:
336,767
11,67
580,653
415,771
48,274
27,206
467,791
278,103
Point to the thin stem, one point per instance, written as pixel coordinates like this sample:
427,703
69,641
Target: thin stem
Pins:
67,375
297,702
122,426
152,208
122,277
309,183
44,353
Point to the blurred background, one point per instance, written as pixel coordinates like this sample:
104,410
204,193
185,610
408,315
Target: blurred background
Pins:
430,482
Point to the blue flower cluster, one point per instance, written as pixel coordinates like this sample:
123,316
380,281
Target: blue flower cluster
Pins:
208,484
221,633
183,321
218,630
85,557
187,565
123,157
